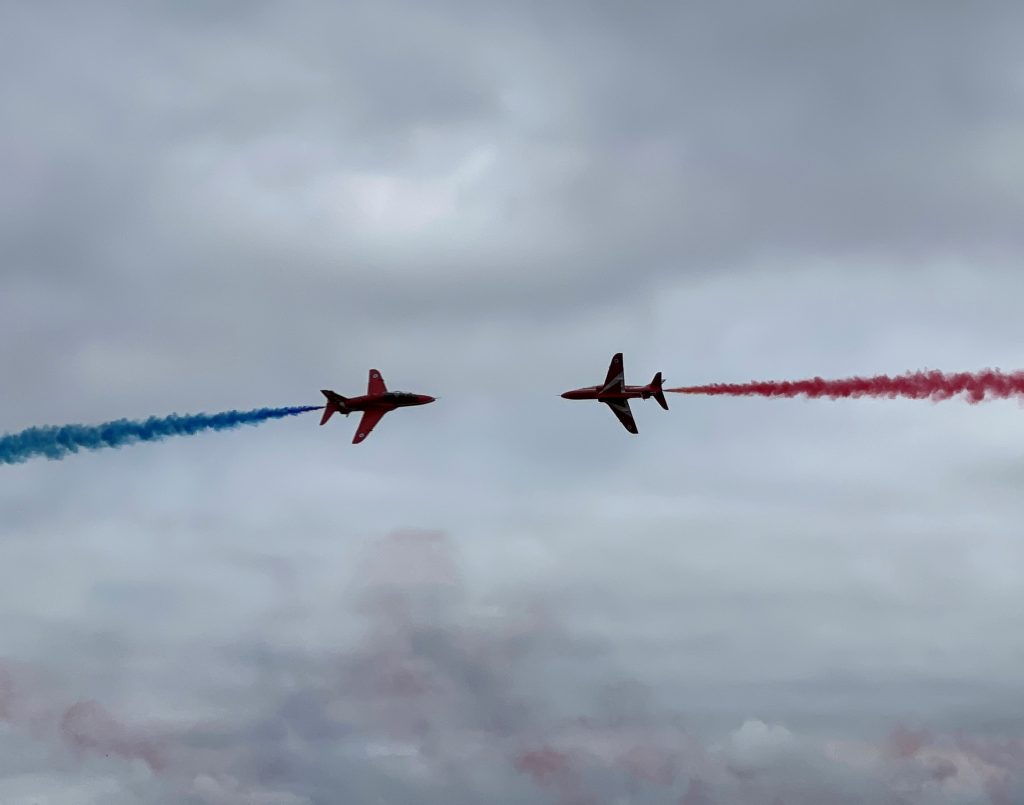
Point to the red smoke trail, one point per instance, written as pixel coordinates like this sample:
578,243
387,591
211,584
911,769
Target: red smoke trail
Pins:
87,726
936,386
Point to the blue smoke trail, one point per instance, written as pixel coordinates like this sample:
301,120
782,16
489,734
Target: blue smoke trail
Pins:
56,442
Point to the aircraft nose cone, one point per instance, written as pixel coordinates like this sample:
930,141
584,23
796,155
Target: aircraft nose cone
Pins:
428,399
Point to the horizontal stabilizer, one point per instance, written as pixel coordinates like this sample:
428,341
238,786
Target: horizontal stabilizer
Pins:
659,394
334,404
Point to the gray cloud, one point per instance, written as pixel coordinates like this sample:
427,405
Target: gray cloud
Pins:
441,694
753,601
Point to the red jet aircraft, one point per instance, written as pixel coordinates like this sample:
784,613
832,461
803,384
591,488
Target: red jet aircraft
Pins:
374,404
616,394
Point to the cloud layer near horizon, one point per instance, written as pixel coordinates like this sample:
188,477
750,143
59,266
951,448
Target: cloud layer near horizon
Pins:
429,693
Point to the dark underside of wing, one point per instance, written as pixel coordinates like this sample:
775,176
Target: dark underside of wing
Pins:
621,410
615,378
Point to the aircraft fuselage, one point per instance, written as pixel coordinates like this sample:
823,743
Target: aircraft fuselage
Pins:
374,404
596,393
616,394
388,401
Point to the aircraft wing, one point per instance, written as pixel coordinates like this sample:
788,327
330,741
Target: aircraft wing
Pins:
614,379
367,423
375,385
621,410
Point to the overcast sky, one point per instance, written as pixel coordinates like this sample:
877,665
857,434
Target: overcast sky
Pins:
504,596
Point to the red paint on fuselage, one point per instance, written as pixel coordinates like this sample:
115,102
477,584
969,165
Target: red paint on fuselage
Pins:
388,401
373,405
595,393
616,394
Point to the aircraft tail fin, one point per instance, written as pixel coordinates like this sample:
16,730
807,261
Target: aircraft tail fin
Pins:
659,395
335,403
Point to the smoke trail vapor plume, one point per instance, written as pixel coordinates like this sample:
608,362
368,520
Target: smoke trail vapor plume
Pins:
56,442
975,386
